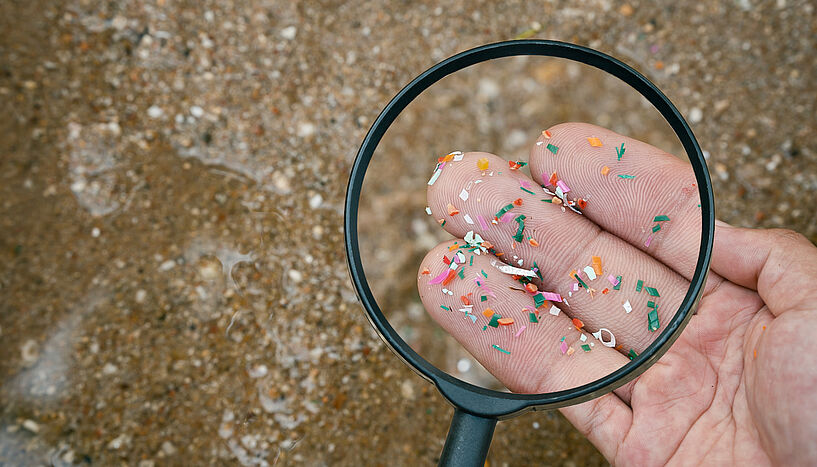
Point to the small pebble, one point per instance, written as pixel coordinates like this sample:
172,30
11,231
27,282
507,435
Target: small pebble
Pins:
95,232
155,112
31,426
196,111
315,201
289,32
295,275
695,115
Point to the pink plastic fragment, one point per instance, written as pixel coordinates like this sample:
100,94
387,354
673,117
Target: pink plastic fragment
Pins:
563,186
613,280
520,331
507,217
553,297
649,240
575,286
563,347
482,222
525,184
439,279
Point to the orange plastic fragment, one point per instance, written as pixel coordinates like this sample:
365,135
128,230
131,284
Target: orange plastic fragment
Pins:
465,300
533,242
570,350
595,142
446,158
451,275
517,202
453,247
605,170
604,292
487,312
482,164
505,321
531,287
556,200
452,211
487,245
582,203
596,265
578,323
553,179
440,221
426,271
573,273
547,134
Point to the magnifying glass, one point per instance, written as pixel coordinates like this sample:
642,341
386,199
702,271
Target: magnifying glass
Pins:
565,275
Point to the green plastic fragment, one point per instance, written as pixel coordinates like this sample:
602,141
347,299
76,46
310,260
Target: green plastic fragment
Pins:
484,328
445,308
617,286
620,151
500,349
538,300
526,190
520,219
639,285
471,263
632,354
586,347
483,273
581,282
462,273
532,317
660,218
650,304
652,292
443,224
552,148
502,211
652,321
547,200
483,298
656,228
626,176
494,323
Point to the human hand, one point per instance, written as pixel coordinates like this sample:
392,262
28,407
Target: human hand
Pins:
737,387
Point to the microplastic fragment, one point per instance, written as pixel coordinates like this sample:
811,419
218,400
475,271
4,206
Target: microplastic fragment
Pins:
512,270
561,184
627,307
483,298
578,323
473,318
639,285
501,349
553,297
650,304
649,240
538,300
591,274
554,310
449,277
536,270
482,164
596,261
581,282
461,274
502,211
620,151
660,218
656,228
526,190
547,134
464,195
471,263
575,287
532,317
563,347
435,176
553,178
494,323
552,148
445,308
428,210
613,281
627,176
594,142
618,285
452,211
520,220
632,354
547,200
608,343
652,291
583,337
482,271
505,321
468,219
652,321
586,347
458,155
520,331
605,170
440,278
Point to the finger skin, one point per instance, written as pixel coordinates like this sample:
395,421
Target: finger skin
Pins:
535,363
663,184
566,242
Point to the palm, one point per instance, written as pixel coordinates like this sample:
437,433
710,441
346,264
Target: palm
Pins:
736,387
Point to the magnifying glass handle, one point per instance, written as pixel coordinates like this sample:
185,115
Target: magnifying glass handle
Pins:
468,440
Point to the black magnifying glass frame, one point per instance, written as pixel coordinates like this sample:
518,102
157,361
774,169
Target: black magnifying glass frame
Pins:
477,409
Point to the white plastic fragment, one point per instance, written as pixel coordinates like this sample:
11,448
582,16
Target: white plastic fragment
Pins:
464,195
458,155
627,307
428,210
583,337
468,219
554,310
591,273
608,343
512,270
435,176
